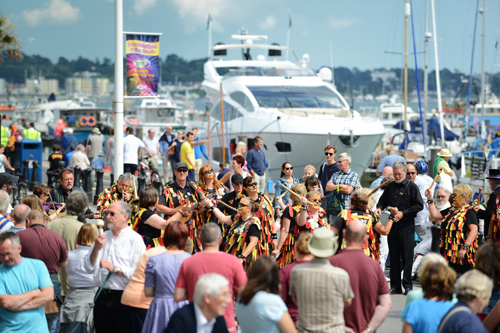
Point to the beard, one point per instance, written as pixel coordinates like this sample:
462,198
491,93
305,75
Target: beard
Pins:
440,205
398,181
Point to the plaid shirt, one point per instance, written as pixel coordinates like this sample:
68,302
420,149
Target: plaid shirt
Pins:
349,178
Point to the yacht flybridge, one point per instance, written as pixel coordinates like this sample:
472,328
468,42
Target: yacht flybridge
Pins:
295,110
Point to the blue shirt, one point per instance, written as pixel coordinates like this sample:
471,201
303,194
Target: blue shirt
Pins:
165,142
424,315
28,275
98,163
433,124
349,178
376,183
262,314
221,174
199,149
256,161
278,190
463,321
68,140
67,157
389,160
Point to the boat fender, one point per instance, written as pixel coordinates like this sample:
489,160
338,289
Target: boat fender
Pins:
83,121
91,121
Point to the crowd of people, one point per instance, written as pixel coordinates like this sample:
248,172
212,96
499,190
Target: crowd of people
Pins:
214,253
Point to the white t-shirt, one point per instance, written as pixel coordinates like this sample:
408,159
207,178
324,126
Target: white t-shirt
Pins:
423,182
151,144
131,145
77,275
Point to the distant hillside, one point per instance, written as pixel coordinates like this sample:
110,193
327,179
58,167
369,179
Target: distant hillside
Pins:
177,69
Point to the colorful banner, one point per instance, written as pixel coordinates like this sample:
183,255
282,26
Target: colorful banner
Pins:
142,64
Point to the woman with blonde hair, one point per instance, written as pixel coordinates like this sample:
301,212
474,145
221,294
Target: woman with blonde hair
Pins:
285,249
81,293
458,229
241,149
309,171
473,291
311,216
33,202
302,255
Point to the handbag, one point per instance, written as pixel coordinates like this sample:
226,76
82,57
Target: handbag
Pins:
171,150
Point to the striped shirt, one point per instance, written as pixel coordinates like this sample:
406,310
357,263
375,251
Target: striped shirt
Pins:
320,290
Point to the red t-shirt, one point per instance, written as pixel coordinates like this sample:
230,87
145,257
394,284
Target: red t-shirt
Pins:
285,275
43,244
221,263
367,282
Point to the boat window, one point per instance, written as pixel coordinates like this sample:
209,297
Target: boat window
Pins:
230,112
490,110
397,116
283,147
297,97
263,71
385,116
243,100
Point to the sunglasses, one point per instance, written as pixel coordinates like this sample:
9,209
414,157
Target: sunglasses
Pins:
206,172
440,196
240,205
315,188
290,168
329,154
411,173
315,200
254,184
181,170
110,213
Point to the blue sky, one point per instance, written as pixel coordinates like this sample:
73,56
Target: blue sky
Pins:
360,31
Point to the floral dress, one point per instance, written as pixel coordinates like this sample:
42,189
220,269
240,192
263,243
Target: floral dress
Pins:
287,252
238,238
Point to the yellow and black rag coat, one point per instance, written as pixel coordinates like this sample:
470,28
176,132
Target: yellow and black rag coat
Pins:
108,196
238,238
152,237
372,246
287,252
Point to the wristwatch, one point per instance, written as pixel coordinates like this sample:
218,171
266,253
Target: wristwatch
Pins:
429,201
368,329
241,256
465,247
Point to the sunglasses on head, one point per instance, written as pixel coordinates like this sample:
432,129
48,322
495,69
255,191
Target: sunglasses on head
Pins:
181,170
206,172
328,154
254,184
411,173
290,168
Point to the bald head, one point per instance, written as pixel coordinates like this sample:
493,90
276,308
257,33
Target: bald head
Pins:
20,214
35,217
355,234
387,172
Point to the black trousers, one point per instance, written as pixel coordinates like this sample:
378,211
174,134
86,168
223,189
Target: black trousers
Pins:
129,168
133,319
400,241
107,312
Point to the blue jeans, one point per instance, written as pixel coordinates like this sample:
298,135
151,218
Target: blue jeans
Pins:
54,319
54,323
191,177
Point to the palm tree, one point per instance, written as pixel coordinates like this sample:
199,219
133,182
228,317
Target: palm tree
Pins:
9,42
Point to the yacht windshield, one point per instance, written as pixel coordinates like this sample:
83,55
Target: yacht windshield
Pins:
297,97
263,71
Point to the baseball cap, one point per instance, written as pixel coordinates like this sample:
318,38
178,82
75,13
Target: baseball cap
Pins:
236,178
6,178
180,165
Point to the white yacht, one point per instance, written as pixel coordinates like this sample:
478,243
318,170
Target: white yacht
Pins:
295,111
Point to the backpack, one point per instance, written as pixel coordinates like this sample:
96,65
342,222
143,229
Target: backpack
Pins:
336,203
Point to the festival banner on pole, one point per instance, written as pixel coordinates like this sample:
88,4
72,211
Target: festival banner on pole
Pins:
142,64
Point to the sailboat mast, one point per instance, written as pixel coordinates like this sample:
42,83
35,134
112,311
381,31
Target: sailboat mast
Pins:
405,91
438,79
483,79
426,73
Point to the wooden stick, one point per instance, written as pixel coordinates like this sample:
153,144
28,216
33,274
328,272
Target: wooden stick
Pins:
479,196
309,202
53,205
286,191
380,186
434,181
225,204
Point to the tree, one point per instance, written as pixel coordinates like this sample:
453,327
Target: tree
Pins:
9,42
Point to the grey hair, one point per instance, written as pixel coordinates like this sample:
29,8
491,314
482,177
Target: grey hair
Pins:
345,156
210,233
442,189
77,203
399,165
124,178
428,260
14,239
4,201
80,147
473,284
125,209
20,213
212,284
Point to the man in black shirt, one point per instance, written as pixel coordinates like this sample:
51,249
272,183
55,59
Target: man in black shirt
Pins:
233,198
55,157
404,198
327,170
492,204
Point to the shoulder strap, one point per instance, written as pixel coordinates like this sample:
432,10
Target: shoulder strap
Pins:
323,168
448,316
5,221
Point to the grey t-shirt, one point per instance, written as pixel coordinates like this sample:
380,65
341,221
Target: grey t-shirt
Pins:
96,145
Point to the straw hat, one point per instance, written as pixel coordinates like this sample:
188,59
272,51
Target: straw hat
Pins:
322,243
445,153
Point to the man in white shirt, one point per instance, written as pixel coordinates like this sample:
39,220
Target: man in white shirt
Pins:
423,182
132,151
153,146
118,250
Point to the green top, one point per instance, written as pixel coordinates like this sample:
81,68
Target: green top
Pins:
436,165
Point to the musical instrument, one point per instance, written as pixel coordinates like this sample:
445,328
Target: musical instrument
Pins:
292,192
185,219
434,180
380,186
132,189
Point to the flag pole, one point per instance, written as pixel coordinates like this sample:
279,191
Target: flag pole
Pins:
118,169
222,125
288,34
